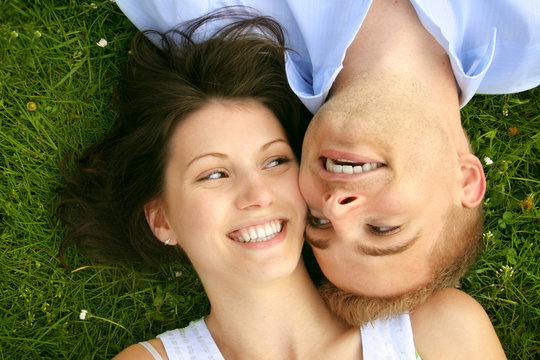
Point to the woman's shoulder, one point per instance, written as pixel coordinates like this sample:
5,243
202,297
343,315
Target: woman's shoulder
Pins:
190,342
139,352
449,302
452,324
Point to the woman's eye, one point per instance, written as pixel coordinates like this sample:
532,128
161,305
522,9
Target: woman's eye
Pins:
214,175
315,222
383,230
277,161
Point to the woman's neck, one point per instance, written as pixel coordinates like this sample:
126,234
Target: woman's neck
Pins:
285,319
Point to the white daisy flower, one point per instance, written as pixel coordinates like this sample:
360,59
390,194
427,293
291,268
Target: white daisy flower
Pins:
102,43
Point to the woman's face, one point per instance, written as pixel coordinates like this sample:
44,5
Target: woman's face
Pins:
231,199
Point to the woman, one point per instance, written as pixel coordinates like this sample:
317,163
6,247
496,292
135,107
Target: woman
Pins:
201,160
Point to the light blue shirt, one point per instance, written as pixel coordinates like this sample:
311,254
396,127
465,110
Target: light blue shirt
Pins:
493,45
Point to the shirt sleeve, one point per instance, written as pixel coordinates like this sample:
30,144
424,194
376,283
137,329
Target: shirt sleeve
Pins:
493,45
317,35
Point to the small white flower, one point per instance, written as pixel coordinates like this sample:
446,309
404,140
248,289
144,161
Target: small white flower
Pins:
14,33
37,33
488,161
82,315
92,5
177,274
102,42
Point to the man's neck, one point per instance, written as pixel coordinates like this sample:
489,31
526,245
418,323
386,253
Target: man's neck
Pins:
391,40
393,49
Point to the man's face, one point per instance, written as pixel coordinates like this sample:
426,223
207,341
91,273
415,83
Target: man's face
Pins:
378,177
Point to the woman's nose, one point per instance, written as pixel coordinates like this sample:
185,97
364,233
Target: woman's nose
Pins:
254,193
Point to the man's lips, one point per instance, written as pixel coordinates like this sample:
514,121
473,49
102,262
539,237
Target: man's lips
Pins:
342,166
339,163
348,157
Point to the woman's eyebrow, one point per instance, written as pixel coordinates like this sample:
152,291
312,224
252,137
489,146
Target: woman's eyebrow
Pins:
223,156
270,143
213,154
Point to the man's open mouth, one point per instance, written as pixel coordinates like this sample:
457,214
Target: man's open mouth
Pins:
342,166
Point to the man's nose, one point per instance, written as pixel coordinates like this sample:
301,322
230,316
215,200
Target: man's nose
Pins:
339,207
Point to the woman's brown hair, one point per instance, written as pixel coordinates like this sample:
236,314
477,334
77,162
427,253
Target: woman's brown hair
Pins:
102,202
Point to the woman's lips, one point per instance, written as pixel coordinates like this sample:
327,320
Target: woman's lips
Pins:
257,233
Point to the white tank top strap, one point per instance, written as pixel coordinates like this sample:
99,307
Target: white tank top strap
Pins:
389,338
191,342
152,350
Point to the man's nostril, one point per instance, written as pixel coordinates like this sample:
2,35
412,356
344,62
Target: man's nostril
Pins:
347,200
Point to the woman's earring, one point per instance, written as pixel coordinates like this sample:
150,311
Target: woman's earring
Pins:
166,242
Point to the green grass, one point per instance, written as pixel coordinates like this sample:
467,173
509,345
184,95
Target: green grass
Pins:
49,57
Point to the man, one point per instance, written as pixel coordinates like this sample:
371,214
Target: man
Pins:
393,188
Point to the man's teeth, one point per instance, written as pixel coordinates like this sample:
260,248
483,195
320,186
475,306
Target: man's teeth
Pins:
344,168
258,233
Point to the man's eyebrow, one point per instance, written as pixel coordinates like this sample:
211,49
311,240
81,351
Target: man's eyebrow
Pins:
365,249
317,243
389,250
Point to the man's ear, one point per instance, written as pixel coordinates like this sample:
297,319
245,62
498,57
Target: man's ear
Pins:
158,222
473,180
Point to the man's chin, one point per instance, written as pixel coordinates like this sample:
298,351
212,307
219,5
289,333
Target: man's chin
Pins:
357,310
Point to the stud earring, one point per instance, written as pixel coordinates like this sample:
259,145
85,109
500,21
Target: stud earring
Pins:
166,242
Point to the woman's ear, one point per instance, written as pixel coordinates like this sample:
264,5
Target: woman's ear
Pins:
473,181
158,222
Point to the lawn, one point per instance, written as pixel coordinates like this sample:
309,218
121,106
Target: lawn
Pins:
55,90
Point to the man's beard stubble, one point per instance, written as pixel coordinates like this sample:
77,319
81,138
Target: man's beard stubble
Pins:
357,310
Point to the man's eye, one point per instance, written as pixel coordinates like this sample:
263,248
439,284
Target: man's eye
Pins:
318,223
383,230
277,161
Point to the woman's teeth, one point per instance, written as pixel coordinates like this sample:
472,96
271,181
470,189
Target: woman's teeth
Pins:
258,233
344,168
